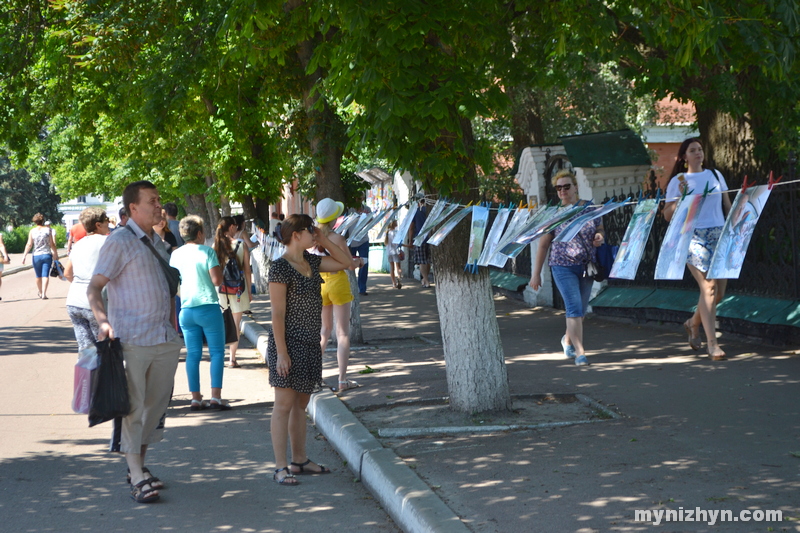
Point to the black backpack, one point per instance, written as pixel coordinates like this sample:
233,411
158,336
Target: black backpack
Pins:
232,275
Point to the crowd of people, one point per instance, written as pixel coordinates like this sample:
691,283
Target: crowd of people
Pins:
120,289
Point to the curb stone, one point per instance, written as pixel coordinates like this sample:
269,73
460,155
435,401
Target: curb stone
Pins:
409,500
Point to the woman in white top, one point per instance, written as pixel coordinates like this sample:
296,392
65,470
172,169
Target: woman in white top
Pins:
688,175
79,270
41,239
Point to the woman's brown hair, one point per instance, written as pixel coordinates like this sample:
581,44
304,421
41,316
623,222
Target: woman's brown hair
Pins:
680,163
222,245
293,224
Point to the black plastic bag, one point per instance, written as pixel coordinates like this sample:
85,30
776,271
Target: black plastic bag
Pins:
109,384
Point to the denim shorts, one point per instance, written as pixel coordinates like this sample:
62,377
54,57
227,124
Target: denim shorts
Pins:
574,288
42,264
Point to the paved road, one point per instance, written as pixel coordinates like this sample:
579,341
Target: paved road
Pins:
55,474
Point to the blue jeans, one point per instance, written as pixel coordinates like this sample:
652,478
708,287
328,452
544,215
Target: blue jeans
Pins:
362,251
196,322
574,288
42,264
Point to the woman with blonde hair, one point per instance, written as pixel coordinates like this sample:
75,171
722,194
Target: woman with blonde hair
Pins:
336,293
568,262
227,246
41,238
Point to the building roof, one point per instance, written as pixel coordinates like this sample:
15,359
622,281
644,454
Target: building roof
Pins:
606,149
374,176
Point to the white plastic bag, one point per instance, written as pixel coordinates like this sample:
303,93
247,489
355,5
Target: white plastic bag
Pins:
87,362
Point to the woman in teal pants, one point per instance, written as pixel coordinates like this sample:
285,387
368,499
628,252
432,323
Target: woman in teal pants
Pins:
200,312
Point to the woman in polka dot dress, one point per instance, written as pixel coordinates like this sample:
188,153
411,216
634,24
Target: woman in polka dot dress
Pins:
293,353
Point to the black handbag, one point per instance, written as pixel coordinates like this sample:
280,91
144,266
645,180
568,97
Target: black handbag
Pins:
109,396
56,269
231,334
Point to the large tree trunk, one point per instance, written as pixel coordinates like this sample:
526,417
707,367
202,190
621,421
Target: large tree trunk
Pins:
196,205
249,209
728,144
262,208
473,352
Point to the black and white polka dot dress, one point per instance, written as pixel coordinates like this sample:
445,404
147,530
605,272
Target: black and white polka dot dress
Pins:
303,324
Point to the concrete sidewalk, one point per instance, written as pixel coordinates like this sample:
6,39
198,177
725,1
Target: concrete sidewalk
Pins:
56,475
694,433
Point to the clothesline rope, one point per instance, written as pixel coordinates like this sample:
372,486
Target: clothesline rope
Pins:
430,200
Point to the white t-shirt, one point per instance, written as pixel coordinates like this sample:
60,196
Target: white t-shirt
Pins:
711,213
84,257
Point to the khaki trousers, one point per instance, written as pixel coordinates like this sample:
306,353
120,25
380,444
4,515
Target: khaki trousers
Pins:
151,375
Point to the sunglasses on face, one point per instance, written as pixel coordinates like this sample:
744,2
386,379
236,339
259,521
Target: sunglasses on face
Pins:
566,187
311,229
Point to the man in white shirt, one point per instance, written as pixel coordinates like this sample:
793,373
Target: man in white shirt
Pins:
141,313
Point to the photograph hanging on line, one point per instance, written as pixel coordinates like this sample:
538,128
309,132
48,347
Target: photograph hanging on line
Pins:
437,238
675,248
736,233
632,247
493,238
480,217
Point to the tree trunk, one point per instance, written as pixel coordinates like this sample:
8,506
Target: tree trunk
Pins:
249,209
225,206
262,209
473,352
211,207
356,332
728,145
526,120
196,205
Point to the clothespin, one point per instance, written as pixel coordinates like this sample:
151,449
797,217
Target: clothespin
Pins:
746,185
707,190
687,191
469,204
772,181
658,195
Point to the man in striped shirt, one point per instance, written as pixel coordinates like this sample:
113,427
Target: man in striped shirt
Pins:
141,313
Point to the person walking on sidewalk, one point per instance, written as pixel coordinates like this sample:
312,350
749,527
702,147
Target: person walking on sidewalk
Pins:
688,174
568,263
4,259
43,242
336,293
141,314
79,270
294,356
227,246
200,312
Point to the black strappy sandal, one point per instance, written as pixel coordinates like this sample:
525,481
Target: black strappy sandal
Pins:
305,472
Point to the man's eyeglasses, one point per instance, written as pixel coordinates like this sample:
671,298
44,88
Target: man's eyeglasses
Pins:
566,187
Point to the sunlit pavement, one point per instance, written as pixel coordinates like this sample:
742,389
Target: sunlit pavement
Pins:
56,476
695,433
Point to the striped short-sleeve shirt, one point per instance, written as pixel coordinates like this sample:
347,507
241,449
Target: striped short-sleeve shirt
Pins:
139,303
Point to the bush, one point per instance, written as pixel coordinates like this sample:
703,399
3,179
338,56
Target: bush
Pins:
15,240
